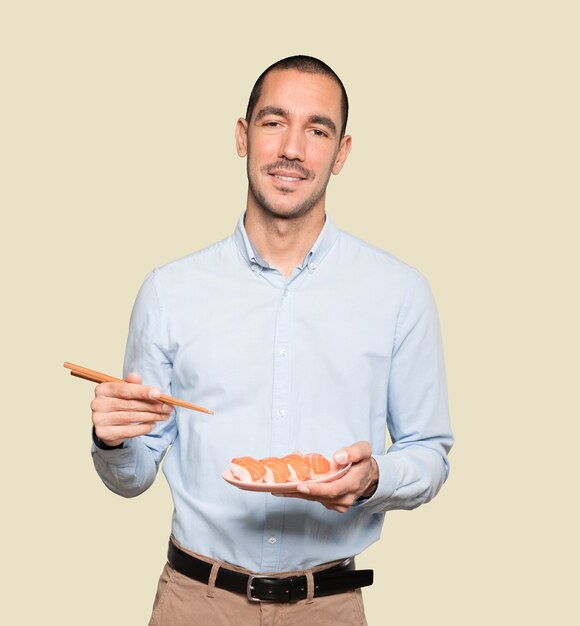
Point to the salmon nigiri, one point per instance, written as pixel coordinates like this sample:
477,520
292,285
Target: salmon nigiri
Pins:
320,464
298,466
276,470
247,469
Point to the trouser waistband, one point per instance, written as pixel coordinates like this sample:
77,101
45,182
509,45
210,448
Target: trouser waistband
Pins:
277,588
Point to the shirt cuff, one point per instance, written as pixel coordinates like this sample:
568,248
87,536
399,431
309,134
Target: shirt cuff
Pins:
122,455
389,472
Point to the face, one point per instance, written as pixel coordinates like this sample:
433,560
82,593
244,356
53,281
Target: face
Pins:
292,143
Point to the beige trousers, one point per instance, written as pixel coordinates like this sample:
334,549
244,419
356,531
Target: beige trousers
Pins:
181,601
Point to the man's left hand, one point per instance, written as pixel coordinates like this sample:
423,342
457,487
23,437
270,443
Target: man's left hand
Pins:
359,482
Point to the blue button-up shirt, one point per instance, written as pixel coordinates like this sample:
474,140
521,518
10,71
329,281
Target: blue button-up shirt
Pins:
343,350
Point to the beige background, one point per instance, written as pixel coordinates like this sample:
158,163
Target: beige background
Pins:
117,155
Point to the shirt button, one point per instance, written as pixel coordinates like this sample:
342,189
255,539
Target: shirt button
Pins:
283,352
282,413
286,292
254,267
272,540
313,266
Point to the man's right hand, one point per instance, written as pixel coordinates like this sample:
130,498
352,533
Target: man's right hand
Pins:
127,409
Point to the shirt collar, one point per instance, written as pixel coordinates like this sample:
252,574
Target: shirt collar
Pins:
312,260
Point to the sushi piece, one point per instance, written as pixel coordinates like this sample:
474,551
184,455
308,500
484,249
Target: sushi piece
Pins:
298,466
247,469
276,470
319,464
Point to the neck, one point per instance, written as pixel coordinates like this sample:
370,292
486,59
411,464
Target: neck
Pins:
283,243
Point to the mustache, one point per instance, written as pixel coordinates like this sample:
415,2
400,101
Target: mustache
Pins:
283,164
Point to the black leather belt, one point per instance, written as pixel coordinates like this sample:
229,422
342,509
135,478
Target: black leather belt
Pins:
263,588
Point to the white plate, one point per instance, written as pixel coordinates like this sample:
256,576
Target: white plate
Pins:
282,487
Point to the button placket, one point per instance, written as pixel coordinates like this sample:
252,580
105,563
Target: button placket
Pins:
280,425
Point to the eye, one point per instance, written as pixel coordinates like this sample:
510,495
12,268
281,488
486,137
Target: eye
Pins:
271,124
318,133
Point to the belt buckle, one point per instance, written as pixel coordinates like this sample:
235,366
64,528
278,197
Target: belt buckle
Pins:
251,578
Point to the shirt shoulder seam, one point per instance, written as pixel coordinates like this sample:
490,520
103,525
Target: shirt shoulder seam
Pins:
404,308
372,248
197,253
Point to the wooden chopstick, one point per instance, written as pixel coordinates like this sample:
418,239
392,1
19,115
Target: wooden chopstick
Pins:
98,377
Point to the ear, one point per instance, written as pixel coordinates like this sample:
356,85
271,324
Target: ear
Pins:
343,151
242,137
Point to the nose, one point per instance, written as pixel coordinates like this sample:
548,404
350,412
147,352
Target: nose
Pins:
292,144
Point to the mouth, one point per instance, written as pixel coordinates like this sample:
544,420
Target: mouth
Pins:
287,177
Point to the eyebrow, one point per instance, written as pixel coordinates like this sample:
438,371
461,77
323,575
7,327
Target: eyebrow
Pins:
323,120
270,110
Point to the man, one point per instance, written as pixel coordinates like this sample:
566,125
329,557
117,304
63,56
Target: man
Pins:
298,336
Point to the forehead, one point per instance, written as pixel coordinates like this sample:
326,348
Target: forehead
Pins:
301,93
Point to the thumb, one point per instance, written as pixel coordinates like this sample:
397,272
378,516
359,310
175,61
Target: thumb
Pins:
133,378
353,454
341,457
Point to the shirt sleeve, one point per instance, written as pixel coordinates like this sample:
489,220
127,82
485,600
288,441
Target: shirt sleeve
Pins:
130,470
416,464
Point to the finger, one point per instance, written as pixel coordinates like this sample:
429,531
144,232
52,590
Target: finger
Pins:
122,418
338,508
341,505
133,377
105,404
127,391
114,434
295,494
322,492
353,454
333,489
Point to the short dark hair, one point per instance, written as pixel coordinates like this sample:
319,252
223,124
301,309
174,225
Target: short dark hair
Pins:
308,65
